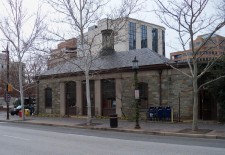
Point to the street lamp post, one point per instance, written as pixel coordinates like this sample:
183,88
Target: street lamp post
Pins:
135,68
7,77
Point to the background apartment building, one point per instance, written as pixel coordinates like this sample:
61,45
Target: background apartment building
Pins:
128,34
214,48
64,51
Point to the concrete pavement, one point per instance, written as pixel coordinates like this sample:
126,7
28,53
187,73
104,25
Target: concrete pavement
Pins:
206,129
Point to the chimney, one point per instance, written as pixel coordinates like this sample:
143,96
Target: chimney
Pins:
107,42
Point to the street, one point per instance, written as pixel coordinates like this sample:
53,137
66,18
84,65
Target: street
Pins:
22,139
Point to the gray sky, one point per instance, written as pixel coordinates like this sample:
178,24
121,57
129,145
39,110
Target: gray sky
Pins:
171,37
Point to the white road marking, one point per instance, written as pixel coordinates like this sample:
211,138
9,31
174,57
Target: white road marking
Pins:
20,138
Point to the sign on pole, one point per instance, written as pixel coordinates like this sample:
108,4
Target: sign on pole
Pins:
7,97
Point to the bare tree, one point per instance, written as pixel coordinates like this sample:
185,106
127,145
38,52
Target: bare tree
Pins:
35,64
21,31
80,15
189,18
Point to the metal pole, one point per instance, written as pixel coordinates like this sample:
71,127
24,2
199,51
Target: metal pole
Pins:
7,52
137,126
7,78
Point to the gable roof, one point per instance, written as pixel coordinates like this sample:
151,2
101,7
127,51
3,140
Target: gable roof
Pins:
116,60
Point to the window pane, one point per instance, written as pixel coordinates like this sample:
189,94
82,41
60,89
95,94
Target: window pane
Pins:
155,40
132,36
143,88
143,36
48,97
163,43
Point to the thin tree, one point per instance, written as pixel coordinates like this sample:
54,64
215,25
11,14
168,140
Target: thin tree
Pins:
80,15
21,31
189,18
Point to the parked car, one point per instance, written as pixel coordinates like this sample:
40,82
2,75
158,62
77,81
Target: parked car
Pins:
15,111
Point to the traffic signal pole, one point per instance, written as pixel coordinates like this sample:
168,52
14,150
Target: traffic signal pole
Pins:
7,95
7,92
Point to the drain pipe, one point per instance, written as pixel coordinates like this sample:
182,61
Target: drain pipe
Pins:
160,87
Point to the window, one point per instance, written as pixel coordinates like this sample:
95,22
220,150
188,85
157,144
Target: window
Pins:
163,43
108,97
48,97
178,56
144,36
155,40
143,88
70,94
132,36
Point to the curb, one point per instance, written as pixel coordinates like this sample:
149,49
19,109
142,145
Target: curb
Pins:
138,131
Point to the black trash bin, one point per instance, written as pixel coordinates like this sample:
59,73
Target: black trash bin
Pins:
113,121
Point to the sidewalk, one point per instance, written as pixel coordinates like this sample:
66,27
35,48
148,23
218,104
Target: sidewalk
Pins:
206,129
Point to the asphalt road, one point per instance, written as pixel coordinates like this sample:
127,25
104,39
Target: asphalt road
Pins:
24,139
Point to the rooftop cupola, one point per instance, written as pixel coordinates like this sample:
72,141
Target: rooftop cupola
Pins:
107,42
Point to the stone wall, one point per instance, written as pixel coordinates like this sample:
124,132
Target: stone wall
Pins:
55,86
173,84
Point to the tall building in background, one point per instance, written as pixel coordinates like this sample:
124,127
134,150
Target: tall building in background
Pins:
128,34
2,62
65,50
214,48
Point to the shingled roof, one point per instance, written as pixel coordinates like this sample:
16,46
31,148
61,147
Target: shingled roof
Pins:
116,60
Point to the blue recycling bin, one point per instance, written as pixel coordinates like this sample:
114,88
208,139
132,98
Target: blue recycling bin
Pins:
168,113
164,113
152,113
160,113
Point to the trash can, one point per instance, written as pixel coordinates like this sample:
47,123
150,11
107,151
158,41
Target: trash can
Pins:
20,113
113,121
27,112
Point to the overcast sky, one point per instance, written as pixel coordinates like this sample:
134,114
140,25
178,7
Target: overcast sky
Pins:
171,37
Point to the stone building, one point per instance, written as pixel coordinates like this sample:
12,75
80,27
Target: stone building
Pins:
213,49
61,89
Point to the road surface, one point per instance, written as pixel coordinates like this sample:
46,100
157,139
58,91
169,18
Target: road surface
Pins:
25,139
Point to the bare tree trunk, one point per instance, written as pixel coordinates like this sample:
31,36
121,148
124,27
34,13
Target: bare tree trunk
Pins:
89,120
195,98
21,88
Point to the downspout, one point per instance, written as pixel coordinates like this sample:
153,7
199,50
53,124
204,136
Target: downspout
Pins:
160,87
